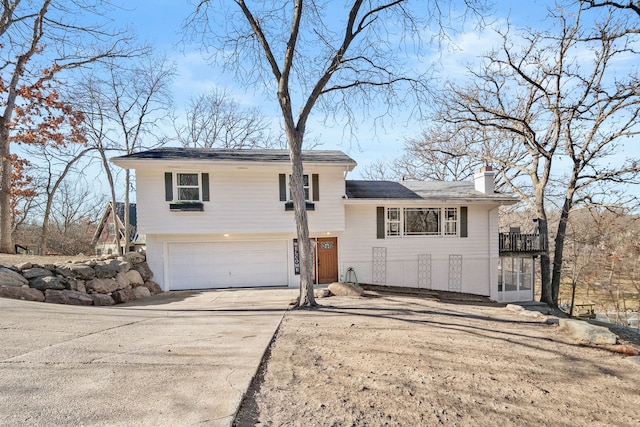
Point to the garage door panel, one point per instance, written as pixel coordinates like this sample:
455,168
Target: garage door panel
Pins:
227,264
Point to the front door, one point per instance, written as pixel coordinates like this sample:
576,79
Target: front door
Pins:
327,260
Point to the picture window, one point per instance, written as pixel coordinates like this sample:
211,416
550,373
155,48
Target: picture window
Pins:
422,221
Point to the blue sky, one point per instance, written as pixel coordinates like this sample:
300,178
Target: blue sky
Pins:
160,23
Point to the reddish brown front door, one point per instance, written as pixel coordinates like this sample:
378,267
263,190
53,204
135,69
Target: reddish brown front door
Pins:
327,259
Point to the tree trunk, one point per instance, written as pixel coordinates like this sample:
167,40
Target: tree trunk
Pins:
559,248
545,263
306,298
44,233
112,188
6,243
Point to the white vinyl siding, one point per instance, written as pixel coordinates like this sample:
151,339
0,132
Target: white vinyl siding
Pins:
242,201
479,251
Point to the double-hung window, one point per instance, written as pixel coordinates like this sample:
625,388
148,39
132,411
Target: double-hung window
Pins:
450,221
305,186
186,191
310,186
393,222
188,187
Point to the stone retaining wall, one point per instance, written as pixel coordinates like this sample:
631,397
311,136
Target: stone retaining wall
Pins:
103,281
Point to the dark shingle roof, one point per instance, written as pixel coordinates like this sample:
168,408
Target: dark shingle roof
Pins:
180,153
378,190
417,190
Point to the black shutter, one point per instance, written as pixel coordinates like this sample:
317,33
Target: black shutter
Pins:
205,187
316,187
168,186
380,221
283,187
464,229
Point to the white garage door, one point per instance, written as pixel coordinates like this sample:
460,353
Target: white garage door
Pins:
227,264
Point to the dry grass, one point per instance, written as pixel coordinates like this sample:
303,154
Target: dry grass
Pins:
15,259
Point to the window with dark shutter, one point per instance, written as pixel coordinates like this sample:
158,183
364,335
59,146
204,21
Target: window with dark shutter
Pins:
311,191
186,191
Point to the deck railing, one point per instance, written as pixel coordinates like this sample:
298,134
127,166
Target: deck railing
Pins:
521,243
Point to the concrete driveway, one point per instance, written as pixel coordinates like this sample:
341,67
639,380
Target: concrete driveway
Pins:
182,358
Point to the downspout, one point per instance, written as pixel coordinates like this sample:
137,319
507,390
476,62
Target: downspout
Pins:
492,266
490,251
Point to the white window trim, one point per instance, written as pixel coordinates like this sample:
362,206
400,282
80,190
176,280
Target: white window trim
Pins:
439,222
177,186
389,222
445,221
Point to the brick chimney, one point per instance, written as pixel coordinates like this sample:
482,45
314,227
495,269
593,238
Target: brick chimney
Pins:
484,180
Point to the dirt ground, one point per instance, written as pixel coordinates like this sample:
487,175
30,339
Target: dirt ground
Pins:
422,359
419,360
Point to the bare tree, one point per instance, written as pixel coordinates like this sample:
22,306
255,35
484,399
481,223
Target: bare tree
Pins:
51,166
433,156
99,131
40,41
603,259
215,120
380,170
317,55
74,218
124,106
560,116
140,99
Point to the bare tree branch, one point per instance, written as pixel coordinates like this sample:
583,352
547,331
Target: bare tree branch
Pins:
41,43
312,61
555,118
215,120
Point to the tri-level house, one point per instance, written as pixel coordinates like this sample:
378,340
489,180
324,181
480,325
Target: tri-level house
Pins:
224,218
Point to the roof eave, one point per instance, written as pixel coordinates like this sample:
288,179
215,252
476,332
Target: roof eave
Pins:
477,201
126,163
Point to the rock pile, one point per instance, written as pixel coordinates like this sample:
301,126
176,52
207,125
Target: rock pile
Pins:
104,281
